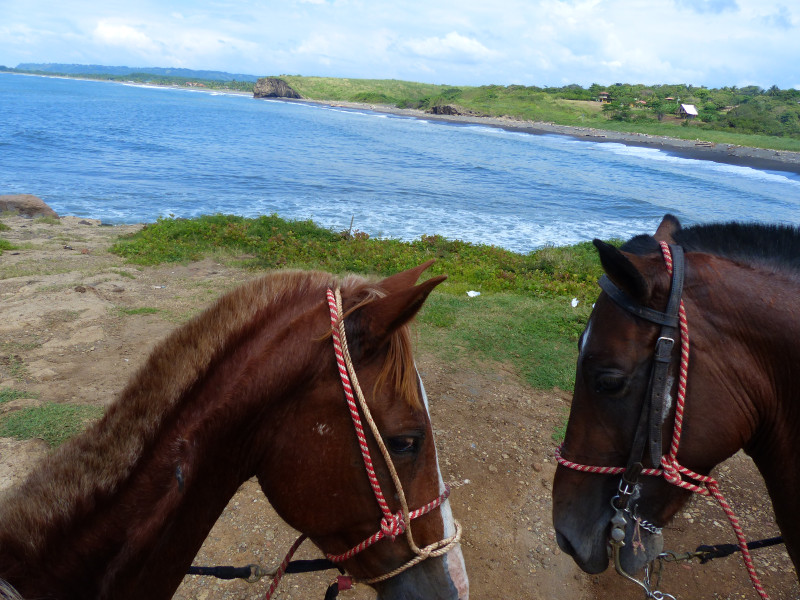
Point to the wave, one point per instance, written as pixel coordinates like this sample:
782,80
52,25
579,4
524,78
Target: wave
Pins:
666,156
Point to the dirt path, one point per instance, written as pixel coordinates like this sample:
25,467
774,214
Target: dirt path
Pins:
67,335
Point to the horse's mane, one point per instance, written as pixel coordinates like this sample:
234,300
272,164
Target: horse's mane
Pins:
773,246
94,464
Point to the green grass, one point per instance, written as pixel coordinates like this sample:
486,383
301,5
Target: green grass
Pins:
6,245
143,310
523,316
54,423
535,104
537,336
273,242
4,227
383,91
48,220
122,273
9,394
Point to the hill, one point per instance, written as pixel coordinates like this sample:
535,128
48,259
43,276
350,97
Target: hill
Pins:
72,69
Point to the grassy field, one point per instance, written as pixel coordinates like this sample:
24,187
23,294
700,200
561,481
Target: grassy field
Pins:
523,318
520,102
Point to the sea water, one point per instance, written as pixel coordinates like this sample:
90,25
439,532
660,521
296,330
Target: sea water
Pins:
129,153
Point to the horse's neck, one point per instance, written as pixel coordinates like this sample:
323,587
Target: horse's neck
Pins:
763,362
135,532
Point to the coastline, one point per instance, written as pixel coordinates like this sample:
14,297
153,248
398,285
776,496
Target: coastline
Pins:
746,156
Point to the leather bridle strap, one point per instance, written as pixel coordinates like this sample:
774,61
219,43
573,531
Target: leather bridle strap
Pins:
649,430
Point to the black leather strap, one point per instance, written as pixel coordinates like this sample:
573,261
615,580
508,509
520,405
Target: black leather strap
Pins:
633,307
651,419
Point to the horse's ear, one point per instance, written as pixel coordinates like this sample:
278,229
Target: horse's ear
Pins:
622,271
383,316
667,229
405,279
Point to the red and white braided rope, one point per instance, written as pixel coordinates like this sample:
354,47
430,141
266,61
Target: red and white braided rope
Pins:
392,525
339,352
276,579
671,470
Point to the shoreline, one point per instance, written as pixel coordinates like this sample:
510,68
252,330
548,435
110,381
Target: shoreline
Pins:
762,159
745,156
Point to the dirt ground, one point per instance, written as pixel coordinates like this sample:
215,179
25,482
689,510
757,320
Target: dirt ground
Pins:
65,336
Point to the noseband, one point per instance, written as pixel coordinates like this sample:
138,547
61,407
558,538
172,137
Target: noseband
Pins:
392,524
648,432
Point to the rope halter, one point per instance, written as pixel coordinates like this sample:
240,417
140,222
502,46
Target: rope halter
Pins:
392,525
669,468
396,524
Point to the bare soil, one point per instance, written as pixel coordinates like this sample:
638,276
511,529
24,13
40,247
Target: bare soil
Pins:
67,335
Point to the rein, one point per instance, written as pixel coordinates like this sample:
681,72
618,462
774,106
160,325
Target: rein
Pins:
668,466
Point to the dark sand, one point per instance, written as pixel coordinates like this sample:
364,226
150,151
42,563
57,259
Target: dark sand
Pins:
757,158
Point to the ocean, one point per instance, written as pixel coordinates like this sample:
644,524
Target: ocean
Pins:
126,153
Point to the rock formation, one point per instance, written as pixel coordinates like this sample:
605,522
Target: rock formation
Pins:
452,109
272,87
26,205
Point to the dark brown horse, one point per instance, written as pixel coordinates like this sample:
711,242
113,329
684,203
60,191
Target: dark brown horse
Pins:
740,290
249,388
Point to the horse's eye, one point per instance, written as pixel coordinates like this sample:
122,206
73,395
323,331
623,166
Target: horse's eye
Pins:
609,383
403,444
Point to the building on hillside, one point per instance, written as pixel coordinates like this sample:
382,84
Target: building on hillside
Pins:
603,97
687,111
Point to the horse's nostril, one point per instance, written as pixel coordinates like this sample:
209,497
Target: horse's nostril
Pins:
564,544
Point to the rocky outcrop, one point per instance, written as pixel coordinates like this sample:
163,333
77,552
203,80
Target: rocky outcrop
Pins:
454,110
26,205
272,87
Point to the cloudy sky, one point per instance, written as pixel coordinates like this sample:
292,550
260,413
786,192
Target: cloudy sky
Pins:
470,42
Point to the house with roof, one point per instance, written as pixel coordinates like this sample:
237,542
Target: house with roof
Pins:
687,111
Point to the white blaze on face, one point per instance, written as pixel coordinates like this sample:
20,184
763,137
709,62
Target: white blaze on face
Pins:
453,560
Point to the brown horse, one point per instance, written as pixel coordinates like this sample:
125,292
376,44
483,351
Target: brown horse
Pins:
251,387
648,402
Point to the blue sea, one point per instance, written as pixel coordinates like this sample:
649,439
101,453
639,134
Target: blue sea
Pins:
126,154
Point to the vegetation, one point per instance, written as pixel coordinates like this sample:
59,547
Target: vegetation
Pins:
5,244
52,422
272,242
9,394
524,317
748,116
143,310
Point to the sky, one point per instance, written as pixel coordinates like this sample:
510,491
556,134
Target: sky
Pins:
712,43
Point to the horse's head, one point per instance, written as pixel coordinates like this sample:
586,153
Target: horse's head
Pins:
320,484
617,422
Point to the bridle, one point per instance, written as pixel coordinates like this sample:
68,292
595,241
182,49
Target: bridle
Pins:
392,525
648,437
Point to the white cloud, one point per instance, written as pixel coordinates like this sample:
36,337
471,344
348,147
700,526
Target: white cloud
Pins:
452,46
127,36
532,42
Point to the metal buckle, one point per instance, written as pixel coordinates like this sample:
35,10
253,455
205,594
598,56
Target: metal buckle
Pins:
664,346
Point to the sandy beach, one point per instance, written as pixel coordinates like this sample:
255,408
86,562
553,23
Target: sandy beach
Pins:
757,158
